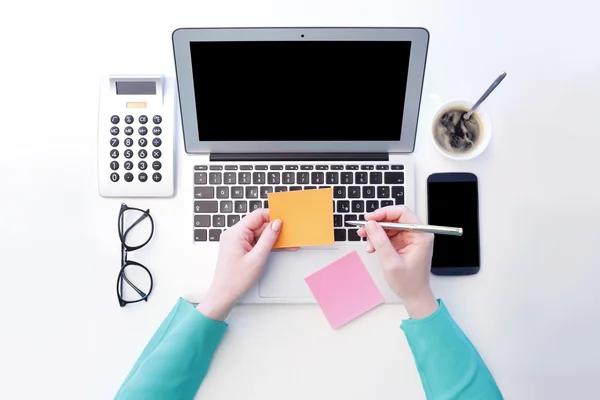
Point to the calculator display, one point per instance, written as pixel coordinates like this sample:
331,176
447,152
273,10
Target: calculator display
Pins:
136,88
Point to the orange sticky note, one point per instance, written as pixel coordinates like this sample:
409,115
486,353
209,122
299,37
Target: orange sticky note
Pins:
307,217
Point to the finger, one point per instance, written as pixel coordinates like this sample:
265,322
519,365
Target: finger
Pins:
265,242
380,242
393,214
370,248
255,219
362,233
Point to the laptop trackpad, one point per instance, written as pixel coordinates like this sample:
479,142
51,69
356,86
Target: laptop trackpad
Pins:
285,271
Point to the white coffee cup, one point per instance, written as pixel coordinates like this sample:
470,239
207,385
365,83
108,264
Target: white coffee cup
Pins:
486,130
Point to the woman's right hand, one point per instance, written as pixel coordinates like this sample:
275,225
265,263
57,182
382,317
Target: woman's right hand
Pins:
405,257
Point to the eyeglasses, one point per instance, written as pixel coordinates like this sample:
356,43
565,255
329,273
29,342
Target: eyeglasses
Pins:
136,228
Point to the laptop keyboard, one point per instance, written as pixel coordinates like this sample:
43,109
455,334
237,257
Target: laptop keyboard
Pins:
224,194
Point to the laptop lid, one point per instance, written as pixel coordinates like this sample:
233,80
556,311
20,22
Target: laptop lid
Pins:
300,90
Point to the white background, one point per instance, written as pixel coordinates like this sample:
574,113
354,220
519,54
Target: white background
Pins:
531,310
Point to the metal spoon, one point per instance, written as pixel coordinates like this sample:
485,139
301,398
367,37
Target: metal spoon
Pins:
484,96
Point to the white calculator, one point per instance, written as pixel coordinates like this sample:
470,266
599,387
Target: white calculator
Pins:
135,136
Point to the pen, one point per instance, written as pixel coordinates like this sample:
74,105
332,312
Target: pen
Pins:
440,230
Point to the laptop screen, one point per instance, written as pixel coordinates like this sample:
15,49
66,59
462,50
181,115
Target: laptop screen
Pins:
300,90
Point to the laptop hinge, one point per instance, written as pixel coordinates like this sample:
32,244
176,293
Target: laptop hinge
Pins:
264,157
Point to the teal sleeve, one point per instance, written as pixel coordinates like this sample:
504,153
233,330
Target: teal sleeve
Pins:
449,365
174,362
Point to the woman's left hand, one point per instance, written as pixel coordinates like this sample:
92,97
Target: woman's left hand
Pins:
243,252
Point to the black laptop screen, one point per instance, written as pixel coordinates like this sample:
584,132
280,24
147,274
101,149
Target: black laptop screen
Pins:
300,91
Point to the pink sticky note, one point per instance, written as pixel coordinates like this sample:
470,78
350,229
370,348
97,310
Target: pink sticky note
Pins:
344,290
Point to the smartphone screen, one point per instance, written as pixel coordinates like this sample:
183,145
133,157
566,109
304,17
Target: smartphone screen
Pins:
453,201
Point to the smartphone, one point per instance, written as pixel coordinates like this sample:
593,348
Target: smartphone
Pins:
453,200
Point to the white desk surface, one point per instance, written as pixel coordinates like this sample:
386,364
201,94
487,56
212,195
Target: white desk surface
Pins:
531,310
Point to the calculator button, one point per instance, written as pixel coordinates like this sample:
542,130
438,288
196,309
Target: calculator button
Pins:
142,153
128,142
115,119
157,130
128,177
142,130
156,177
143,177
156,165
114,131
157,119
156,153
114,153
128,153
114,177
143,119
128,165
156,142
114,165
142,142
128,130
129,119
114,142
142,165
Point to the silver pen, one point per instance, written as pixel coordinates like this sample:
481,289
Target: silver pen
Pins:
440,230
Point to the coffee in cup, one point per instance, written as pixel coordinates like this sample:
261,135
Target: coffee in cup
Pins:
457,137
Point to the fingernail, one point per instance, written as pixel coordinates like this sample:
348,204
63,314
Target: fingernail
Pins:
371,227
276,225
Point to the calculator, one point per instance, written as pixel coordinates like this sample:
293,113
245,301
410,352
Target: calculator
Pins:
135,136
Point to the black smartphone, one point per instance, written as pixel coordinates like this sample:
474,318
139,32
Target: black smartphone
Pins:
453,200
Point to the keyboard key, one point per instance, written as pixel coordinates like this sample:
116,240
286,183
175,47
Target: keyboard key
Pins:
156,153
200,235
322,167
383,192
372,205
143,177
366,167
255,205
358,206
231,168
142,165
324,187
115,119
352,167
273,178
204,192
280,189
218,220
292,188
309,187
343,206
276,167
289,178
128,177
337,167
302,178
251,192
332,178
215,167
156,177
214,235
229,178
394,178
385,203
245,178
382,167
206,207
354,192
232,220
362,178
200,178
214,178
265,190
246,167
398,194
201,221
352,235
258,178
350,217
338,220
339,235
317,178
306,167
398,167
291,167
222,192
114,153
346,178
339,192
261,167
226,206
115,165
375,178
361,217
241,206
266,204
368,192
237,192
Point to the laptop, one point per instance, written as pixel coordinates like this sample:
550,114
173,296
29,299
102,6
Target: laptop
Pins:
280,109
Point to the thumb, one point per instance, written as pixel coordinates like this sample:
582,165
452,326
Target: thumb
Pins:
381,242
265,242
